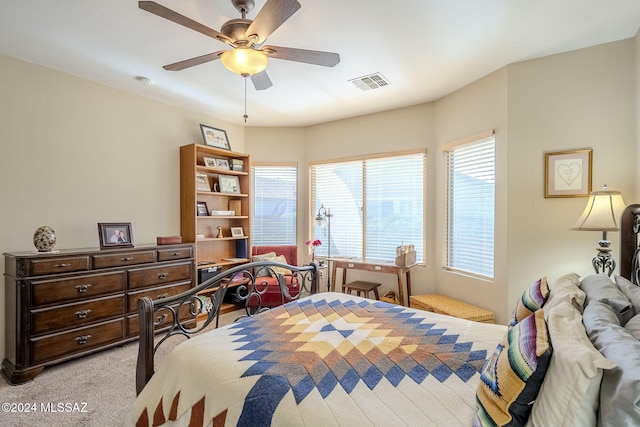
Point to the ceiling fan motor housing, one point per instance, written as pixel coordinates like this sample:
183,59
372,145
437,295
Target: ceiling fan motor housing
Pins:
236,29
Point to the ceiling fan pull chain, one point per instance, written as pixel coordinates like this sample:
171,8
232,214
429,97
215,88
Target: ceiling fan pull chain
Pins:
245,100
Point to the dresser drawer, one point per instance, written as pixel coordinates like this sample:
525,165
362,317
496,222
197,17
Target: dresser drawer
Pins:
73,288
162,319
123,258
75,315
40,267
154,294
143,277
176,253
76,341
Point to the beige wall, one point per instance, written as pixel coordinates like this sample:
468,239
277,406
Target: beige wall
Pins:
580,99
478,107
74,153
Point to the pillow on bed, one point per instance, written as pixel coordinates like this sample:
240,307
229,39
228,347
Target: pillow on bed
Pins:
532,299
620,388
631,291
633,326
511,377
599,287
565,288
570,392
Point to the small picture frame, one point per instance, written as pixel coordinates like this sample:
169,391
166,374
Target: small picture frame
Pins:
202,182
229,184
201,209
222,164
115,235
568,173
214,137
237,232
209,162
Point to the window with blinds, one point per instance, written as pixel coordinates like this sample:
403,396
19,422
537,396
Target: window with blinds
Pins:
471,207
376,204
274,205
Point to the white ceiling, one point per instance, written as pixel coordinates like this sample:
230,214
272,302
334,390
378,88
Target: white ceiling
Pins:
425,48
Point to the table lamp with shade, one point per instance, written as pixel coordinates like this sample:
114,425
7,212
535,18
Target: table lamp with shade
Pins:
602,213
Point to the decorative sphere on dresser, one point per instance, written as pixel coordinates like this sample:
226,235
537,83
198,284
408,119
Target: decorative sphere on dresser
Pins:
44,239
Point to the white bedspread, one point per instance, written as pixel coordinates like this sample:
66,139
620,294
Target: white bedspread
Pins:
327,360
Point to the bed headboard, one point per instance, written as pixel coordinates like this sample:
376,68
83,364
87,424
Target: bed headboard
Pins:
629,251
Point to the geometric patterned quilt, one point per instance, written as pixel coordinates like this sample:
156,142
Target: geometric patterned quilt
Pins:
328,359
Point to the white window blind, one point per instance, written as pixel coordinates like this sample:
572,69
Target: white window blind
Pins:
376,204
471,207
274,205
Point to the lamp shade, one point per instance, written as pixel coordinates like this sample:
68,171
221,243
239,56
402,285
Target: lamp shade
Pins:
602,213
244,61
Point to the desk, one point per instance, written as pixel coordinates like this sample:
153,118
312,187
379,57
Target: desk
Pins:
403,273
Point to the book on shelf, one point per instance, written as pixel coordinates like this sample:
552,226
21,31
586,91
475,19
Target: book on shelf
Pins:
222,213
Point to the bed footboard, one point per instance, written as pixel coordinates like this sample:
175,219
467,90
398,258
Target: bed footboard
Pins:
176,315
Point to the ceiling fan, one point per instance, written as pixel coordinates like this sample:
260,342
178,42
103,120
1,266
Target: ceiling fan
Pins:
249,57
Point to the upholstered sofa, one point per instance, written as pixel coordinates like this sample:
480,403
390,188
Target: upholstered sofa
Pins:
273,297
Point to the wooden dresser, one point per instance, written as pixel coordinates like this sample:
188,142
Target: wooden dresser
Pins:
72,303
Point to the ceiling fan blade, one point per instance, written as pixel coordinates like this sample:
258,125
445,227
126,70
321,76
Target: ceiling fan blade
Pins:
315,57
270,17
261,80
177,66
163,12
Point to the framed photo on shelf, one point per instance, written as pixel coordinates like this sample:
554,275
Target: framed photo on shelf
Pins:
201,209
202,182
222,163
229,184
209,162
115,235
567,173
214,137
237,232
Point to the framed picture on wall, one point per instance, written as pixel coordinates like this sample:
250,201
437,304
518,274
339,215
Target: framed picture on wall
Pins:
568,173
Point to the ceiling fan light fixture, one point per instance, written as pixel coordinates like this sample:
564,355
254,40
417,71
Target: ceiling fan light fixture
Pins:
244,61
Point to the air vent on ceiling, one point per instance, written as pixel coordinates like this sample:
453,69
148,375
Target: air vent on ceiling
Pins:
371,81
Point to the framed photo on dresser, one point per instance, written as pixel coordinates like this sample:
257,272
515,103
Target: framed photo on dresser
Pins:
115,235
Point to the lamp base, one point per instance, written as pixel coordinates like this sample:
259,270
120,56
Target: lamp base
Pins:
604,262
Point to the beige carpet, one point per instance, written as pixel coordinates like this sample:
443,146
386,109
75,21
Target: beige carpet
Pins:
97,390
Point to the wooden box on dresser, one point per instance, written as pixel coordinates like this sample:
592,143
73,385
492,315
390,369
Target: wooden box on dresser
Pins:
70,303
227,207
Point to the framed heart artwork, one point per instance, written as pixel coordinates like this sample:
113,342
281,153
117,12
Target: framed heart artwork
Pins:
567,173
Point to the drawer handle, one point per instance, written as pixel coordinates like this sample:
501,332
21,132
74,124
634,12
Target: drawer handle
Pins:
175,254
83,339
83,288
82,314
126,258
162,276
163,296
161,319
62,265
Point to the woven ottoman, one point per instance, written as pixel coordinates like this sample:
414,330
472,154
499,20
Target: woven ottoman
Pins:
442,304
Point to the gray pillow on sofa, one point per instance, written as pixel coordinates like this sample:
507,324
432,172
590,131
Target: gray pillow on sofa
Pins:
599,287
620,387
